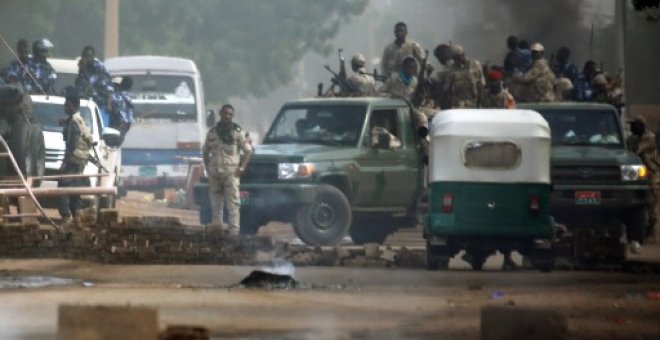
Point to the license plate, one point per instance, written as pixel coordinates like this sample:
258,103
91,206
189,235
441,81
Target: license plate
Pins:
147,171
245,197
587,197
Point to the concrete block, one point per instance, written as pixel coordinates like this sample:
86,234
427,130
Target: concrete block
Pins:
500,322
108,216
106,322
372,250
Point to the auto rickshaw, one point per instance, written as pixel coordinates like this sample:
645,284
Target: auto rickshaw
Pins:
489,187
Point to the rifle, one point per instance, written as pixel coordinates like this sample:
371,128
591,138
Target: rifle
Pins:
94,159
422,89
342,82
342,66
376,76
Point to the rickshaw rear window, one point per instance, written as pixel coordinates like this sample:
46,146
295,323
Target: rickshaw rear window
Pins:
492,155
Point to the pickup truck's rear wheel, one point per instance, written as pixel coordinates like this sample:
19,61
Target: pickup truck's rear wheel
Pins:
250,223
437,257
326,220
26,142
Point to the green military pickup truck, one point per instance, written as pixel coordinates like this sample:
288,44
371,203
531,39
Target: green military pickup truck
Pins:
600,189
320,168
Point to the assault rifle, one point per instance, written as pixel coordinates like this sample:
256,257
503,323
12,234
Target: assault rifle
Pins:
340,78
422,87
377,77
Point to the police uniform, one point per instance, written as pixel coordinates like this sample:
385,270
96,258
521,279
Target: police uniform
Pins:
222,158
94,81
466,82
362,84
394,54
44,74
79,141
19,71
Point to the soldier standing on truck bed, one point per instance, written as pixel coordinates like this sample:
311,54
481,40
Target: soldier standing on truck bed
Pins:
40,69
224,167
539,81
398,50
642,142
94,81
361,83
467,80
78,141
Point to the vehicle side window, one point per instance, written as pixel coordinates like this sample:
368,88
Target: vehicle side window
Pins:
492,155
385,121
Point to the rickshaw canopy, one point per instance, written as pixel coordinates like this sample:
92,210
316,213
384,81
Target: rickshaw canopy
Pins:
486,145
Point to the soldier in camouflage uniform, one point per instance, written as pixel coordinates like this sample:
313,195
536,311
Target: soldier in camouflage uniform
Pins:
603,93
497,97
361,83
224,167
441,79
41,69
539,81
398,50
467,80
402,84
642,142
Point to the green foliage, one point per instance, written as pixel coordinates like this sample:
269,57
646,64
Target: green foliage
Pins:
242,47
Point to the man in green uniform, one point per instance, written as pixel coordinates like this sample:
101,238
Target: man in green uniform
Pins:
224,167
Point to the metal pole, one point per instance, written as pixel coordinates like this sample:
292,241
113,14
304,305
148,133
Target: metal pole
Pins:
111,28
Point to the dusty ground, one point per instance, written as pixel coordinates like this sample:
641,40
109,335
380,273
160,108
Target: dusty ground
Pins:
332,302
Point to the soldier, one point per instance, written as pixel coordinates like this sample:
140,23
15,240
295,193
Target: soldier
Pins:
441,80
564,89
642,142
361,83
467,80
40,69
401,48
497,97
78,141
402,84
224,167
562,68
538,81
602,92
94,81
18,68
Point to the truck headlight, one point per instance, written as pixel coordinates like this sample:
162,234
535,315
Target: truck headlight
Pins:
295,170
633,172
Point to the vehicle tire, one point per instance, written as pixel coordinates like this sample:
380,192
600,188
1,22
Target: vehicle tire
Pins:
636,222
437,257
543,260
324,222
369,230
478,259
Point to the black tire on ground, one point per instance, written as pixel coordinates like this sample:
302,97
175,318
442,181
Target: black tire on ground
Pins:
369,230
636,221
325,222
543,260
478,259
437,257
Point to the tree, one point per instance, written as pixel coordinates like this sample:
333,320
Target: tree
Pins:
650,7
241,47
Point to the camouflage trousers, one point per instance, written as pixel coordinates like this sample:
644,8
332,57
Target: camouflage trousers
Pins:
224,191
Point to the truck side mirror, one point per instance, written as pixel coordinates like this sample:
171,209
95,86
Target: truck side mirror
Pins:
111,137
210,118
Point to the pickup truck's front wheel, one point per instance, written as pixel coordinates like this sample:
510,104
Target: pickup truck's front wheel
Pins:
324,222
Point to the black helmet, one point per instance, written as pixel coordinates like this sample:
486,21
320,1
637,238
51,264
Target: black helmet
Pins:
42,44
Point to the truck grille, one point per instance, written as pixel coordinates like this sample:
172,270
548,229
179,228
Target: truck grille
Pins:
260,172
586,174
54,155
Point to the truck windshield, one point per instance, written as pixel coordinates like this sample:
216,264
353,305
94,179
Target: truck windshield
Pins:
327,124
50,115
583,127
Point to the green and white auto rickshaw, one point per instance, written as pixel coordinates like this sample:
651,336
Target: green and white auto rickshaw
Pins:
489,187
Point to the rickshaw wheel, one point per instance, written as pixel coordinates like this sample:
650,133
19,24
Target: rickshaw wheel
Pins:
369,230
478,259
325,222
437,257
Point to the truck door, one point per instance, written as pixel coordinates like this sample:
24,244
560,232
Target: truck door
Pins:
386,177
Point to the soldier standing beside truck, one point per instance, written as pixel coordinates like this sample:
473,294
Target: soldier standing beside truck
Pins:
397,51
224,167
78,141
